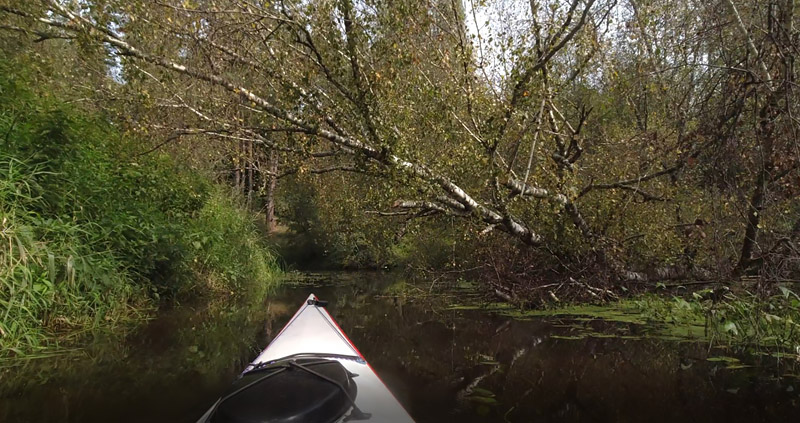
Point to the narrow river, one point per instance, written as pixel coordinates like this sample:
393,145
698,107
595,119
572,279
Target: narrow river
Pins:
443,363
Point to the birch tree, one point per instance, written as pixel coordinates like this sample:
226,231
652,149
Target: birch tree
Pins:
580,128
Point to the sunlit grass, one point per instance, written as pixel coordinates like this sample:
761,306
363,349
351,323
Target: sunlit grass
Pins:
92,236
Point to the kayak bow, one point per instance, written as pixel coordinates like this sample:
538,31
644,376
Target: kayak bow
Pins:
311,372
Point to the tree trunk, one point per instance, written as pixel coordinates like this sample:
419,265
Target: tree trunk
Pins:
753,219
766,134
237,174
249,167
270,196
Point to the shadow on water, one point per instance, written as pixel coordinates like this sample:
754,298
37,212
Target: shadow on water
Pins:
443,363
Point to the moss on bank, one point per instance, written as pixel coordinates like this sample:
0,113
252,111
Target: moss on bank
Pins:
93,235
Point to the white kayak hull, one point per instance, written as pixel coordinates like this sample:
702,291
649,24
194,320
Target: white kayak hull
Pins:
312,330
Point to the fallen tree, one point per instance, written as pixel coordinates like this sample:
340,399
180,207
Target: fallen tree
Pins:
409,93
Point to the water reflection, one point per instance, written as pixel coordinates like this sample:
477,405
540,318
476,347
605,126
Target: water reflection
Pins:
443,364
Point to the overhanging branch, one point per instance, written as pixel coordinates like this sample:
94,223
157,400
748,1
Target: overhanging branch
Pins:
78,25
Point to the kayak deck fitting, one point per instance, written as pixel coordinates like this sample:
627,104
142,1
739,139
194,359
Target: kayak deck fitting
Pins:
312,373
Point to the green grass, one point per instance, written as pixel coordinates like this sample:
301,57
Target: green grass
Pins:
230,253
92,236
54,277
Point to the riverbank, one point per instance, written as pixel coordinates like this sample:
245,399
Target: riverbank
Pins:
94,236
748,315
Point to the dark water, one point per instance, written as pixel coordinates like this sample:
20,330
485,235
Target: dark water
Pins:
443,364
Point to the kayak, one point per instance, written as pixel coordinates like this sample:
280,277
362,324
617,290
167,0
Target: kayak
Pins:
312,373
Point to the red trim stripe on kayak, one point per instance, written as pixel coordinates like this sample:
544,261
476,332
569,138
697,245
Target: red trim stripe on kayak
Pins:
341,331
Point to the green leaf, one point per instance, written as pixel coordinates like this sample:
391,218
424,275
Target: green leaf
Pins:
482,400
483,392
787,292
723,359
730,327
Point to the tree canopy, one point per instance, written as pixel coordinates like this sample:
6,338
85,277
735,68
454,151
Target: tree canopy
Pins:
647,139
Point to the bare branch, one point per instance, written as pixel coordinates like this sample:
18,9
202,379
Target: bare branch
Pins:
646,196
43,36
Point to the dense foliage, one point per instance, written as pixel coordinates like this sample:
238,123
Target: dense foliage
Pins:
626,141
91,233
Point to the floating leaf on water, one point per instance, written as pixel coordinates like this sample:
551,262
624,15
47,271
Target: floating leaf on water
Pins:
463,307
482,400
483,392
724,359
735,366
